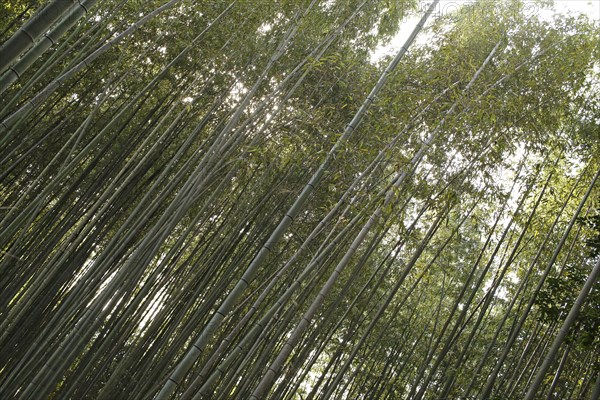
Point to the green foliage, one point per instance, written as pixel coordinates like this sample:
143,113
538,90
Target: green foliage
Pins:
593,240
137,193
557,298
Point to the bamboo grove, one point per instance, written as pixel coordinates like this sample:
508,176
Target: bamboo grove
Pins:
232,200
